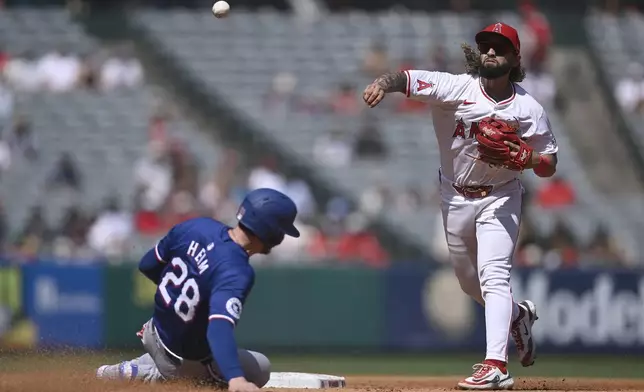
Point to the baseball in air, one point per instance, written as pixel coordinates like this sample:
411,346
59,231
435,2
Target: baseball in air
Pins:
220,9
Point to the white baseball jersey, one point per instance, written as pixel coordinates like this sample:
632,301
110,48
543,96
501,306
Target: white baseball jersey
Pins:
458,102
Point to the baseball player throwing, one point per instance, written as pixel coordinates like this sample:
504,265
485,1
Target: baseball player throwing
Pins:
203,276
489,130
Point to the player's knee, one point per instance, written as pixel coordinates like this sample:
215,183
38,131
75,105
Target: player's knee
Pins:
492,270
256,366
467,279
494,278
469,289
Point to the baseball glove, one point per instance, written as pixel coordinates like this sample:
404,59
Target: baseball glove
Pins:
492,149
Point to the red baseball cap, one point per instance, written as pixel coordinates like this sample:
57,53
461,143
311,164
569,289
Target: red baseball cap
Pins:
506,31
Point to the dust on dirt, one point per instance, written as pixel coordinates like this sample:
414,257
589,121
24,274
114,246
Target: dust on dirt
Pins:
75,381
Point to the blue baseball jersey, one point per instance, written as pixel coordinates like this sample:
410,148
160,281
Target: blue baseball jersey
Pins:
202,274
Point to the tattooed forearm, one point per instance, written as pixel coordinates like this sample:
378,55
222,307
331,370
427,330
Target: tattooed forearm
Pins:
393,82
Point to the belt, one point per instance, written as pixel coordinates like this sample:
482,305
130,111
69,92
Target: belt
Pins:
473,192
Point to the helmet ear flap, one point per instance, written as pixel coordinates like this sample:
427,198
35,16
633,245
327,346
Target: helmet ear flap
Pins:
276,240
246,230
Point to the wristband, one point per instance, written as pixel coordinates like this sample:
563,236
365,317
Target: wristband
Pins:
543,168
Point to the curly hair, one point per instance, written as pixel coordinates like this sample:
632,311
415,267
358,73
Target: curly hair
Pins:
473,64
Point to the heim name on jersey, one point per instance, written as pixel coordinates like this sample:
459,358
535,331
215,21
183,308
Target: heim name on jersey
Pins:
458,103
198,255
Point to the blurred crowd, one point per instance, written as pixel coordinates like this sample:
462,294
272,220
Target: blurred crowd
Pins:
169,192
629,89
560,248
61,69
56,71
171,187
171,184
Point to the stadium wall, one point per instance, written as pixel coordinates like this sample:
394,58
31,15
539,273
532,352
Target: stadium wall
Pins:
404,309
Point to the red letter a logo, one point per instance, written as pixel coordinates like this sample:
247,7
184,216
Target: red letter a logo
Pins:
424,85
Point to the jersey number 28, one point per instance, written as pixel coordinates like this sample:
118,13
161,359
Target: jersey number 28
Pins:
186,303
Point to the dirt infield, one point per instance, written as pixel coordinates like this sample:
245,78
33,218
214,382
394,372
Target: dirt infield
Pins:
397,383
70,381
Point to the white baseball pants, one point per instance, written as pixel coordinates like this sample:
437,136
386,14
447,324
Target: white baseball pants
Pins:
481,237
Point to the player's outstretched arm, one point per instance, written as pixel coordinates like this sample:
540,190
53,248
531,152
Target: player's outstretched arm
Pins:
224,351
388,83
226,303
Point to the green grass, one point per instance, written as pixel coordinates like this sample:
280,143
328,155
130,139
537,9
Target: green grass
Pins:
412,365
434,365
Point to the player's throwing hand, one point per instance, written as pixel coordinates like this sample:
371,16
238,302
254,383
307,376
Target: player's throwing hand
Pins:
387,83
240,384
373,94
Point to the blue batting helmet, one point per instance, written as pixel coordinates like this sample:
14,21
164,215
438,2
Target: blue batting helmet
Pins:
269,215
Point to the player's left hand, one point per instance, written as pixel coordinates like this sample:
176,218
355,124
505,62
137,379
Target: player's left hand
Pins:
240,384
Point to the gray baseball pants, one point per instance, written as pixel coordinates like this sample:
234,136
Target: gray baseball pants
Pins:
159,365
